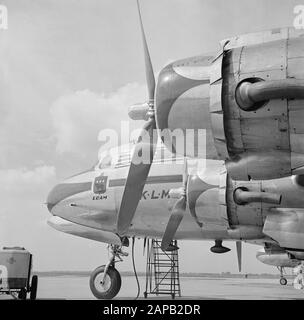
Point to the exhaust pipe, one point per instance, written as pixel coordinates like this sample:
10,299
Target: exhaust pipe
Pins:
251,94
242,196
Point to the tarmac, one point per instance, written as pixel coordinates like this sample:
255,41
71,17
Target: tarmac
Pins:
201,288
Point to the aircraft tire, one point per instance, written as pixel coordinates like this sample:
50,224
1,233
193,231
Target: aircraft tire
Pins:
34,286
283,281
111,285
22,294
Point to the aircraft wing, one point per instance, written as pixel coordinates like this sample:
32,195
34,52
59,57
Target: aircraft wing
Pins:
286,225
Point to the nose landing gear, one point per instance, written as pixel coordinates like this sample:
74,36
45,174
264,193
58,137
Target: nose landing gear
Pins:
105,281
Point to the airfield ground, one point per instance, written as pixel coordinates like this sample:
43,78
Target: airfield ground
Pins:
77,287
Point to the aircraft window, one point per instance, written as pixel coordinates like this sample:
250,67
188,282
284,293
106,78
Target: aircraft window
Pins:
105,162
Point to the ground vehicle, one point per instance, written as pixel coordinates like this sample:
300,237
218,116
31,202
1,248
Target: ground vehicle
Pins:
15,273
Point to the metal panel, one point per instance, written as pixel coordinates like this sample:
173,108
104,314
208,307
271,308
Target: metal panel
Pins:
215,107
295,33
258,165
264,133
222,198
295,48
216,104
297,143
296,122
298,171
191,109
277,74
221,148
294,105
297,160
208,210
296,110
261,57
267,127
295,68
235,59
218,126
215,71
257,38
223,183
234,134
249,214
274,108
230,107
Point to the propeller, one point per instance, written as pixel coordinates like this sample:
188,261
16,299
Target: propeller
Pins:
177,213
239,254
146,144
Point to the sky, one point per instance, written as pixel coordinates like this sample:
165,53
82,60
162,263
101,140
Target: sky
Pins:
67,69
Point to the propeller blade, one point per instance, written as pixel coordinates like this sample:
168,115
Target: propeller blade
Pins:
174,222
148,64
185,175
239,254
145,242
137,176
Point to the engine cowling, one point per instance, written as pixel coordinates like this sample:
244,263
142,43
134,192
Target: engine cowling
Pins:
206,196
248,98
182,103
210,196
262,105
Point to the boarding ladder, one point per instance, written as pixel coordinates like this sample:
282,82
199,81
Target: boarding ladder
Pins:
162,270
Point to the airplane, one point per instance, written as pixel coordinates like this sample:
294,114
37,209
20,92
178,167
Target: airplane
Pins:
248,99
87,204
279,258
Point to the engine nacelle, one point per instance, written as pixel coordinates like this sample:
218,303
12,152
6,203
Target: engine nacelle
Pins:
277,258
262,104
246,210
231,209
248,98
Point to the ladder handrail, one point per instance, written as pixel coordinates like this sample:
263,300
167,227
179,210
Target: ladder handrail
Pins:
166,268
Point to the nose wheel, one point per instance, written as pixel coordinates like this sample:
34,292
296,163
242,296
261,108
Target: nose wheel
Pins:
105,285
105,281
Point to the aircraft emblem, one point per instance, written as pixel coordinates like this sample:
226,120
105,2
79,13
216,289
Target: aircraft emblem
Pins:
100,184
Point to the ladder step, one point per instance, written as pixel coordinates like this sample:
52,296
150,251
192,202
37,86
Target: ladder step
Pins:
166,292
162,263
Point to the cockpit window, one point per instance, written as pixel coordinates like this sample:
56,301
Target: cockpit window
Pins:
105,161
